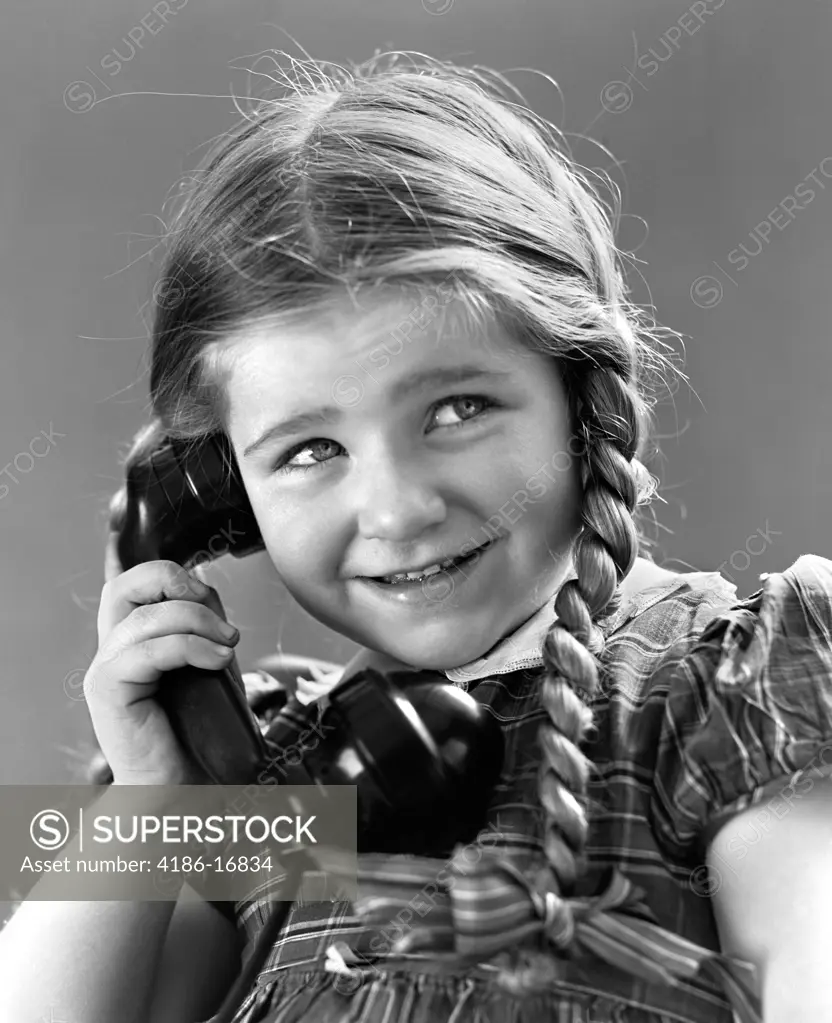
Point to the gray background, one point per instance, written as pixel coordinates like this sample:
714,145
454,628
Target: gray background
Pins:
728,125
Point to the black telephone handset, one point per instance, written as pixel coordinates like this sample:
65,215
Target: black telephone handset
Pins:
191,509
423,755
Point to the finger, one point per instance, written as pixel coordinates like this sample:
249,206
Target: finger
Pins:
146,583
173,617
214,602
124,672
201,571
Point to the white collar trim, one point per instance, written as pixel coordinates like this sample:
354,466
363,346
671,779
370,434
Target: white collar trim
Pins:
519,650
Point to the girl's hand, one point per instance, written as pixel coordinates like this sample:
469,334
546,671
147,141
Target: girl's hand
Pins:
152,618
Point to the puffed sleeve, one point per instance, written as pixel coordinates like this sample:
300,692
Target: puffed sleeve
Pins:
748,710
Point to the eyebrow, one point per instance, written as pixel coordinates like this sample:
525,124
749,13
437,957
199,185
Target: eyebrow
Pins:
437,377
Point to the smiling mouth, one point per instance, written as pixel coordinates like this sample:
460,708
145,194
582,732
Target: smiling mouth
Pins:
416,577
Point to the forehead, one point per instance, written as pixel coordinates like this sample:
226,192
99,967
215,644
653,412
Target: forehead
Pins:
385,337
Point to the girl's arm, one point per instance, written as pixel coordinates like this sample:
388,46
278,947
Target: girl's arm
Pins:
200,961
90,962
95,962
773,904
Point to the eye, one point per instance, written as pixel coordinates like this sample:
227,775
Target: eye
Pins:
283,464
467,400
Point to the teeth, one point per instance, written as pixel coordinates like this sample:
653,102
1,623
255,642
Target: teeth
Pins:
421,574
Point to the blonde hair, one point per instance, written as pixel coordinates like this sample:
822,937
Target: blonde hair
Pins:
407,173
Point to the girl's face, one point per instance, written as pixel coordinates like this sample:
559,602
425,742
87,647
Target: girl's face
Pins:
367,451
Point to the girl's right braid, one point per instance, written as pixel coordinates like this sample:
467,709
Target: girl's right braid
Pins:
604,553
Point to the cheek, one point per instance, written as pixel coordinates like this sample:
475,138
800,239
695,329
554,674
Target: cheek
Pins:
547,506
545,476
298,541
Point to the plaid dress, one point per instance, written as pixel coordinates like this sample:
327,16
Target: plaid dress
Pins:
708,704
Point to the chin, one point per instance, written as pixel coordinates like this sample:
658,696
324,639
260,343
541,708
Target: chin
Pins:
439,646
438,656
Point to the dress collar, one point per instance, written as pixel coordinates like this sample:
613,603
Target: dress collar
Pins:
519,650
522,648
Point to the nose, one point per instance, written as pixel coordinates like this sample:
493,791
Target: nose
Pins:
396,501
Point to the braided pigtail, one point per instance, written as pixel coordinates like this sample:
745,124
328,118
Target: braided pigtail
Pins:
605,552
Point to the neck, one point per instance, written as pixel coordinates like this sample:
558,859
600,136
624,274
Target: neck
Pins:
367,658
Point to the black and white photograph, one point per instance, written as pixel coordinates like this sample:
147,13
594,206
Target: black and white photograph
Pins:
416,511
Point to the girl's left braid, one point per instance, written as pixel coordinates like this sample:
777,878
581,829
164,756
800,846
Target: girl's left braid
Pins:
606,408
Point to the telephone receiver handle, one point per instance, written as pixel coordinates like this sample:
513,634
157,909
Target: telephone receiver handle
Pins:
207,709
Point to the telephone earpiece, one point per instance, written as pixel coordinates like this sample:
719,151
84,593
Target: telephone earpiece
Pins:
187,504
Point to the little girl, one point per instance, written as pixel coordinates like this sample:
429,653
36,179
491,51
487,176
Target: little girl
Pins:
401,303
